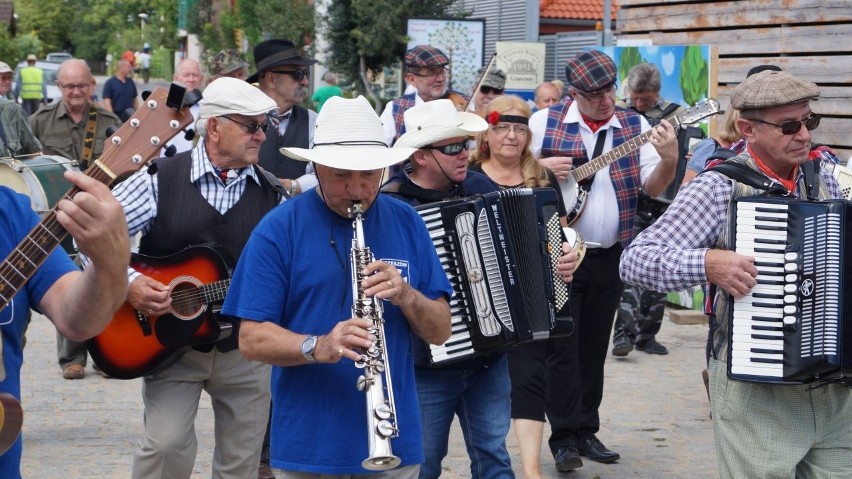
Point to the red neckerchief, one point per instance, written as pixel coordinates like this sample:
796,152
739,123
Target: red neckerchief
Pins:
595,125
789,184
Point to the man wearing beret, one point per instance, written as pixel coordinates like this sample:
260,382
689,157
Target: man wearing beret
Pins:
493,85
213,193
426,70
284,74
565,135
761,429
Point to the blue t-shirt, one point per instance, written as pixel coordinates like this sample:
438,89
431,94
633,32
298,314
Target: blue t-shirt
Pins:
121,94
16,220
295,272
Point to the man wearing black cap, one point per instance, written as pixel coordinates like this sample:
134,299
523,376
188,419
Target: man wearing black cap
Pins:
283,74
761,429
426,70
492,86
564,135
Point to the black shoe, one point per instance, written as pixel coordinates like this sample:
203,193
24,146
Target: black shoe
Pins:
592,448
651,346
621,346
567,459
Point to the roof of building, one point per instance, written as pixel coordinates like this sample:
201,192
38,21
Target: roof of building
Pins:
575,9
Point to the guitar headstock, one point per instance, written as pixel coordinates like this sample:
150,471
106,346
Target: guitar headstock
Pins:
142,136
698,112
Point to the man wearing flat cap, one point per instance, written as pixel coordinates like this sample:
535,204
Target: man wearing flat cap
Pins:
492,86
213,193
761,429
283,74
566,135
294,289
426,70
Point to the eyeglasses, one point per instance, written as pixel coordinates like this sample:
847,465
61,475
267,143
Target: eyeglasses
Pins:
297,75
251,128
793,127
488,89
74,86
505,128
432,72
597,96
452,149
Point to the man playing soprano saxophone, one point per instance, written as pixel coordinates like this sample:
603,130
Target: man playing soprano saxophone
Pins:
293,289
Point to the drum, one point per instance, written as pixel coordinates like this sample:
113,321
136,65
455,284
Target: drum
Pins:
41,179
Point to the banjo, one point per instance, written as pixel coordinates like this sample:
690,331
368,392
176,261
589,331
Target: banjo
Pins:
575,189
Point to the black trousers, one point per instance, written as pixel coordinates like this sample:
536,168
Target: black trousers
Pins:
595,295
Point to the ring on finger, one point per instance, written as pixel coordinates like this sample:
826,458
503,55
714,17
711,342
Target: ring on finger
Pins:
390,284
340,352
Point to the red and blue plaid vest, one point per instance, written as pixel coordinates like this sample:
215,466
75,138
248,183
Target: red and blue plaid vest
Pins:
563,139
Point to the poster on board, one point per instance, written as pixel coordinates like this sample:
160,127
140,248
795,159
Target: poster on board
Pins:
462,40
523,63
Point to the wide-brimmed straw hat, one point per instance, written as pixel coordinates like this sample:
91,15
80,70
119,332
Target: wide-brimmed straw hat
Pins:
437,120
349,136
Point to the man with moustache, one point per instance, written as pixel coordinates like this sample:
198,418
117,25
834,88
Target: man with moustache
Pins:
213,193
571,132
76,129
426,70
283,74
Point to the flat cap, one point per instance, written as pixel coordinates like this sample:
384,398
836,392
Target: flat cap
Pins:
769,88
226,61
591,71
4,68
425,56
495,78
226,95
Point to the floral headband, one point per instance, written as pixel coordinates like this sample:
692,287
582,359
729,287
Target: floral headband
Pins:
495,117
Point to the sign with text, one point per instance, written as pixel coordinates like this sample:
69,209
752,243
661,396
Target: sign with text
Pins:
523,63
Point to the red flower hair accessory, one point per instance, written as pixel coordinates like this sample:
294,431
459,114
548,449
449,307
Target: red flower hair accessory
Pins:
493,118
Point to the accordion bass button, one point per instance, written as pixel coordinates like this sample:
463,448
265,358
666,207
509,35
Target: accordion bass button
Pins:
790,288
789,320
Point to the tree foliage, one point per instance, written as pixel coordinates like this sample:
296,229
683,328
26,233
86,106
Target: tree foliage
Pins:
365,36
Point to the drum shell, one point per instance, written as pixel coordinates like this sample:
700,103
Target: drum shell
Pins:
40,178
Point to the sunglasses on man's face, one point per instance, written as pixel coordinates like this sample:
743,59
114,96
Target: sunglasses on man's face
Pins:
251,128
297,75
488,89
452,149
793,127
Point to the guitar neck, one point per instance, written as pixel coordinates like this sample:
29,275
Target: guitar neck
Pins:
588,169
215,292
33,250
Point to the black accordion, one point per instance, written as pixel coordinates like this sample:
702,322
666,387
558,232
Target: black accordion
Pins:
794,326
499,251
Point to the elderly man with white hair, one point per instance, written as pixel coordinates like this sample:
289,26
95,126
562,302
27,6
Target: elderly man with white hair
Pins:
213,193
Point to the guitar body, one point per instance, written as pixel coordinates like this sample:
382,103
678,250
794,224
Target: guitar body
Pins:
11,420
574,195
134,344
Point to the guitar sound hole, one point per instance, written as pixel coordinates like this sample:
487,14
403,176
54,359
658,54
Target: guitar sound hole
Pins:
187,301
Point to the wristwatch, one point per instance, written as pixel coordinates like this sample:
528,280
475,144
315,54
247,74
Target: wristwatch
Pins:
309,345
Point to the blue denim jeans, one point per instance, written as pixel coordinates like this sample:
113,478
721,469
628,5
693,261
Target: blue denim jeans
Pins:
480,396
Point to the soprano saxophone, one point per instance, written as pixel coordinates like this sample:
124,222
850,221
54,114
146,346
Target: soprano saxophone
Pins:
376,379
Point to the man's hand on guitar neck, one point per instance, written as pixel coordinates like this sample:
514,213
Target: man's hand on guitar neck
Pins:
664,140
560,166
149,296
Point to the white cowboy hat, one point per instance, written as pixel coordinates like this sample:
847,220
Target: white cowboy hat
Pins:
349,136
437,120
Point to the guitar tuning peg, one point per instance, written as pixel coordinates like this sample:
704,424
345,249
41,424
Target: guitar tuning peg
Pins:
170,151
152,168
145,94
189,135
110,131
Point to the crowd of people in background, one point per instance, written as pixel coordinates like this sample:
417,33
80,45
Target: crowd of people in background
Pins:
284,188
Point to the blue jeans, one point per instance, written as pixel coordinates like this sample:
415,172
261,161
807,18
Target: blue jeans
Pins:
480,396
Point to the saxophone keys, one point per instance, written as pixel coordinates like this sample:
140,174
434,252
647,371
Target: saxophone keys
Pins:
363,383
385,429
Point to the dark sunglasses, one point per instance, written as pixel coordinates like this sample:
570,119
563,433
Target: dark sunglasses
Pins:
297,75
452,149
488,89
251,128
793,127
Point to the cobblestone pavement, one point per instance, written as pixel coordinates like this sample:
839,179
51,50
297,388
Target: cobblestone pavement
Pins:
654,413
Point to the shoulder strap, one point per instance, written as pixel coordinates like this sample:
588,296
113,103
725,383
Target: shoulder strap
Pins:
669,110
273,182
810,171
743,174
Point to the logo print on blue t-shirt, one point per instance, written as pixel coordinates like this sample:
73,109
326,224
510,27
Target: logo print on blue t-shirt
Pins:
401,266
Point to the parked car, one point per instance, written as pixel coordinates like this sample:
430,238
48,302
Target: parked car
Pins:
50,70
57,57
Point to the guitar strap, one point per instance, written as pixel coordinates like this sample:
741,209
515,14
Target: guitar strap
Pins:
89,140
597,152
